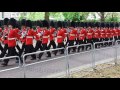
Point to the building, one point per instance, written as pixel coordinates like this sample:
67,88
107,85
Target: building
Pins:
9,15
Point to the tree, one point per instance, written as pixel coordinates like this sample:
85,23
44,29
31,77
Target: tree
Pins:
102,15
47,16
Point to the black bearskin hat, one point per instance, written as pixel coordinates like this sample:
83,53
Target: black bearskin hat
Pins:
52,24
0,23
45,23
12,22
23,22
59,24
107,24
72,24
102,24
6,20
29,23
39,23
116,24
96,24
63,24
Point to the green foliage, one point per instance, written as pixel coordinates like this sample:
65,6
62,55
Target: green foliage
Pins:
75,16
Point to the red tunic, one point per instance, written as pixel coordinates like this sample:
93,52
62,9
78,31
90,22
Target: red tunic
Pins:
97,34
45,36
73,34
60,36
12,36
52,31
102,33
89,34
29,37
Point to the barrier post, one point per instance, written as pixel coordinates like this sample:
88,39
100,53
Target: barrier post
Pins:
67,63
115,60
93,55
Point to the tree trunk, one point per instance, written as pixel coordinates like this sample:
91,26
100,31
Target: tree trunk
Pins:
102,16
47,16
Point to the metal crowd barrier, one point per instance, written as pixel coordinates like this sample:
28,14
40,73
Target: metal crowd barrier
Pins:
66,64
82,59
49,69
117,53
14,72
107,54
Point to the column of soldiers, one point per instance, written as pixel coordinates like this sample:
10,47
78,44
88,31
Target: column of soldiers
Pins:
54,35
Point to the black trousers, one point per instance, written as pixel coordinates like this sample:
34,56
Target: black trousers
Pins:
60,45
96,40
80,43
89,41
30,49
11,52
71,43
101,40
45,47
18,48
110,43
1,48
39,46
52,42
22,49
106,43
77,41
4,51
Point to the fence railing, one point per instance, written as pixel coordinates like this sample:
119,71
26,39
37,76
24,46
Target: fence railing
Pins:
64,63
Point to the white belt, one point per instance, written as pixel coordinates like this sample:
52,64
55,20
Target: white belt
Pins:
96,33
11,38
65,33
59,36
72,34
81,35
45,36
29,37
89,33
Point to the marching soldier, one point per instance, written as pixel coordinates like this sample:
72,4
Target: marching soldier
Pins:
111,33
89,35
72,37
23,34
4,37
96,34
29,39
52,36
81,37
107,34
1,33
45,38
12,36
60,37
39,33
102,33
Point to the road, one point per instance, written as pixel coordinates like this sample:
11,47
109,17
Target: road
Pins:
50,66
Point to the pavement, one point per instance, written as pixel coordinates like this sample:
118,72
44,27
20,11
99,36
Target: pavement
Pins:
56,65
